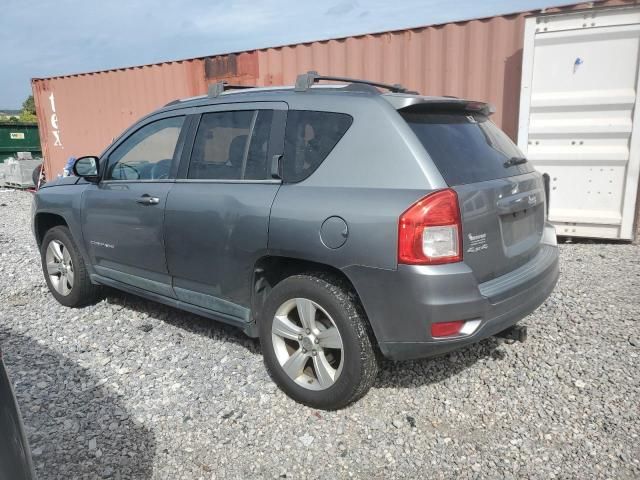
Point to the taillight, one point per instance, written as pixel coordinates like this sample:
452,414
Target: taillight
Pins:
430,231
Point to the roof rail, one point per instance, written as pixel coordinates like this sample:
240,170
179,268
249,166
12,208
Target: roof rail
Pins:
215,89
306,80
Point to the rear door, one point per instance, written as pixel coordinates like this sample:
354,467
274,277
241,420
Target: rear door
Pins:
501,196
122,216
217,214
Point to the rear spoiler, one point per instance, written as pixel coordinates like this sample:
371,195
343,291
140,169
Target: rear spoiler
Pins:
414,103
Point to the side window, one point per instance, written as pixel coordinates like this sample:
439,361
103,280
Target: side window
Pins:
148,153
222,150
257,165
309,138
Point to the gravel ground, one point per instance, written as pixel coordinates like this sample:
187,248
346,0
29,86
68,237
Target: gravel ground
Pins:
132,389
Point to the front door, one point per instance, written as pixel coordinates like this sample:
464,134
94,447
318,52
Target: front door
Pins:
122,216
217,214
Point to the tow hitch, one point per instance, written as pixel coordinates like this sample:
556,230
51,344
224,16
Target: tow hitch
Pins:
516,333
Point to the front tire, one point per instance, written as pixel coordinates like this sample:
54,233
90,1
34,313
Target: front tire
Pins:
316,342
64,269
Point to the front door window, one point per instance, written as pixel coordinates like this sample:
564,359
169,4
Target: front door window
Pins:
148,153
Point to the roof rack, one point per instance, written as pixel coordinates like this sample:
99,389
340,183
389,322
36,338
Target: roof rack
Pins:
306,80
215,89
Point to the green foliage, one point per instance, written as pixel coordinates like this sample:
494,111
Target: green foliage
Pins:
29,106
28,112
28,117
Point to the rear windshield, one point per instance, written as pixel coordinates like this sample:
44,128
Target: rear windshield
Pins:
466,148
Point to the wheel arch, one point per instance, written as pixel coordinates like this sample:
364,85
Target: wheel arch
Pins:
45,221
272,269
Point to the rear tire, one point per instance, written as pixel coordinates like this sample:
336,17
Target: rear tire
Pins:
64,269
308,359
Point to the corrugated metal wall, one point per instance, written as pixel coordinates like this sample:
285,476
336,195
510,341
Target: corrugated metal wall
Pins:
81,114
479,59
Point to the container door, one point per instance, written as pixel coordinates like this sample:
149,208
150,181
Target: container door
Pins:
577,123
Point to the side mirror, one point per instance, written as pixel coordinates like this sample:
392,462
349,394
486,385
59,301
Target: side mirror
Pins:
86,167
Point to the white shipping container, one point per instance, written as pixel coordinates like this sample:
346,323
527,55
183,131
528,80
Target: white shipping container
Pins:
578,117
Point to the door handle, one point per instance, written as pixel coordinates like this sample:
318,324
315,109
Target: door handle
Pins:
275,166
148,200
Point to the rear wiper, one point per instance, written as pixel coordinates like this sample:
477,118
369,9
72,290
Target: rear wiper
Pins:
514,161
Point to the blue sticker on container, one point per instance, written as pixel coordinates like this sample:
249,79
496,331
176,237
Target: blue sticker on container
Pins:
577,63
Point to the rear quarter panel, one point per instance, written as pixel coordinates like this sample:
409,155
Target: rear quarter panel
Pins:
371,215
373,174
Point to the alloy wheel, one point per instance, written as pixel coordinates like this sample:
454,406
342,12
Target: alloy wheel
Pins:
307,344
59,267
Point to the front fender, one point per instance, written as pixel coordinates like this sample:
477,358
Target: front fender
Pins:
64,201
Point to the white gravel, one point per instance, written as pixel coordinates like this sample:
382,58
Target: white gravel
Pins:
132,389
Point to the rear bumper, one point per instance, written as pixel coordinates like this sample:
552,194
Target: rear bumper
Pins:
496,318
402,304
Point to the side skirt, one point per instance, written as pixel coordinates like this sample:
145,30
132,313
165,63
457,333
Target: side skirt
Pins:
247,327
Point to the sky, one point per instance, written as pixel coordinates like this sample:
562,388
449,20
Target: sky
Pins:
42,38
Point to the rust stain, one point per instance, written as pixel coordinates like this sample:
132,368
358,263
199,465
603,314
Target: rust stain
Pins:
240,69
220,67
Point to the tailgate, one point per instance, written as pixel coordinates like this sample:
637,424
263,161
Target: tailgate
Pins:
502,223
501,196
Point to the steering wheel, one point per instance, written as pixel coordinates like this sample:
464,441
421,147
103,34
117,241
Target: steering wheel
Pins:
122,166
160,170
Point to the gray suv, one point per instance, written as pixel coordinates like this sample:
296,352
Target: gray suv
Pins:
334,222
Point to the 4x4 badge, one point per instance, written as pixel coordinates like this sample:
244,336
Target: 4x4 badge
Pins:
477,242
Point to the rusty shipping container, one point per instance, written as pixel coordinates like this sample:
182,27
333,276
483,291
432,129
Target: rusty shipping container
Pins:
80,114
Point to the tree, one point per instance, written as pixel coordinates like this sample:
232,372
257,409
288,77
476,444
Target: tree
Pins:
28,117
29,105
28,113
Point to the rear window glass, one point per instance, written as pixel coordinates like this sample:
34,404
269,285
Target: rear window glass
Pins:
466,148
220,145
309,138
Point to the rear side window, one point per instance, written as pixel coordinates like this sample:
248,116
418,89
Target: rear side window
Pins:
309,138
231,146
466,148
256,164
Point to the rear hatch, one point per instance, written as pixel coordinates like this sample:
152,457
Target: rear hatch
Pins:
501,196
